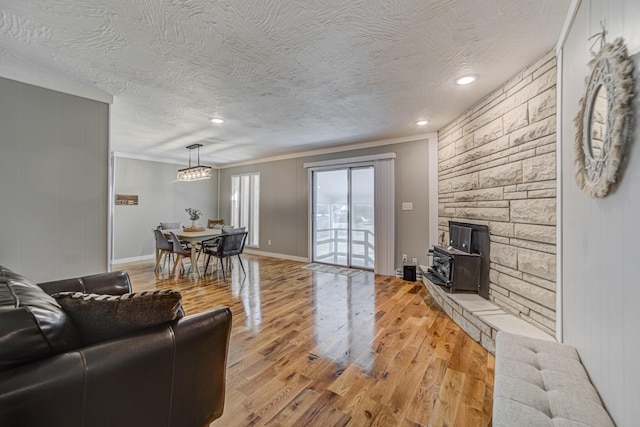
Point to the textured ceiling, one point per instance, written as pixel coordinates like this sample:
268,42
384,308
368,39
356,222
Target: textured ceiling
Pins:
285,76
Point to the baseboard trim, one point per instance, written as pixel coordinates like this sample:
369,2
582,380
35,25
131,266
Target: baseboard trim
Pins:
246,250
276,255
132,259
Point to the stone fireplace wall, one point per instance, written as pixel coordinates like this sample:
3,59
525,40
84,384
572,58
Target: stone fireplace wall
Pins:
497,166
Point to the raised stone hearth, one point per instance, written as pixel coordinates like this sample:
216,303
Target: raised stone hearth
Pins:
479,318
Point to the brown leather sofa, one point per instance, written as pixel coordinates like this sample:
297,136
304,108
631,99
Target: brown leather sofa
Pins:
172,374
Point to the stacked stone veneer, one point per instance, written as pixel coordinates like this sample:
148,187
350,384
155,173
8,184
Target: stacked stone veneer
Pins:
497,166
480,331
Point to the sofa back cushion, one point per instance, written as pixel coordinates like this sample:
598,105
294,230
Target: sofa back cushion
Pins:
103,317
32,324
113,283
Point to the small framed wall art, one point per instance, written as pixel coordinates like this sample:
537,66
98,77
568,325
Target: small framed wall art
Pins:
126,199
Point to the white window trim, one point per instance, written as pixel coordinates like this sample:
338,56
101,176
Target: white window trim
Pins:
371,159
253,224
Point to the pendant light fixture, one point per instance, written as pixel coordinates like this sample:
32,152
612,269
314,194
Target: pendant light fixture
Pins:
194,173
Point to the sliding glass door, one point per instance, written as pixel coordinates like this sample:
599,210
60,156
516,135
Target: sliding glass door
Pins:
343,209
362,245
331,216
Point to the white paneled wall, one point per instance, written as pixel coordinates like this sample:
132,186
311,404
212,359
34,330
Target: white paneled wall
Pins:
53,182
600,285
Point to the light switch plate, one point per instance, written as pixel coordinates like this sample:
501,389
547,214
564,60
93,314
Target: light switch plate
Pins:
407,206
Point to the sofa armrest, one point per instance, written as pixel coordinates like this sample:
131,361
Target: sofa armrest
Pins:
171,375
202,343
113,283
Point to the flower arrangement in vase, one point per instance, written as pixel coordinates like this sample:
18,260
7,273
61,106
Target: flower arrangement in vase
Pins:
194,215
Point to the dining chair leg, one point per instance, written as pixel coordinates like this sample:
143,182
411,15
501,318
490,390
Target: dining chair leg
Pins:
169,259
200,252
162,260
175,264
190,265
214,267
207,259
224,276
241,265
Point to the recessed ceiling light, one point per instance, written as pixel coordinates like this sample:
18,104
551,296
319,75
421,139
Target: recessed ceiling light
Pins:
421,122
217,121
466,80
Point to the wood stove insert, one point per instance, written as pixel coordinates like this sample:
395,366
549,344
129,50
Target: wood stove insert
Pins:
464,264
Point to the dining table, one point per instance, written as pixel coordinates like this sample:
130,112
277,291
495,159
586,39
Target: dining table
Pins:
193,237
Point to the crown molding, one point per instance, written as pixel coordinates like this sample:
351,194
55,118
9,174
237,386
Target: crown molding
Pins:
152,159
342,148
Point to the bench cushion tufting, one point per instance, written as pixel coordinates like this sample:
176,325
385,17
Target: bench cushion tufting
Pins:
543,383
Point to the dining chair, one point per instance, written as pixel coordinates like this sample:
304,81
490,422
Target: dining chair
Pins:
173,226
213,242
228,245
212,222
226,229
181,253
170,225
164,246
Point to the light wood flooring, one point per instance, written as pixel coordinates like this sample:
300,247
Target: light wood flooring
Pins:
320,349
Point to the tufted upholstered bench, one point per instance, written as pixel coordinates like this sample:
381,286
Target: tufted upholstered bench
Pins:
543,383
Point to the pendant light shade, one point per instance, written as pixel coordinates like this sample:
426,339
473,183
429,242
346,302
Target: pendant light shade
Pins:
194,173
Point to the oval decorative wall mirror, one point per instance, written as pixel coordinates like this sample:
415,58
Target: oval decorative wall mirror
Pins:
602,119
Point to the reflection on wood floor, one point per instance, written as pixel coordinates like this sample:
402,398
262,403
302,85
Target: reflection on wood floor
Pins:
311,348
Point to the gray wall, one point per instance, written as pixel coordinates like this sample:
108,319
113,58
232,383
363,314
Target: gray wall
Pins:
284,199
600,236
53,182
161,198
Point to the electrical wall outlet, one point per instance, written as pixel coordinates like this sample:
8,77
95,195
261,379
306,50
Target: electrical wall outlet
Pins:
269,242
404,257
415,261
